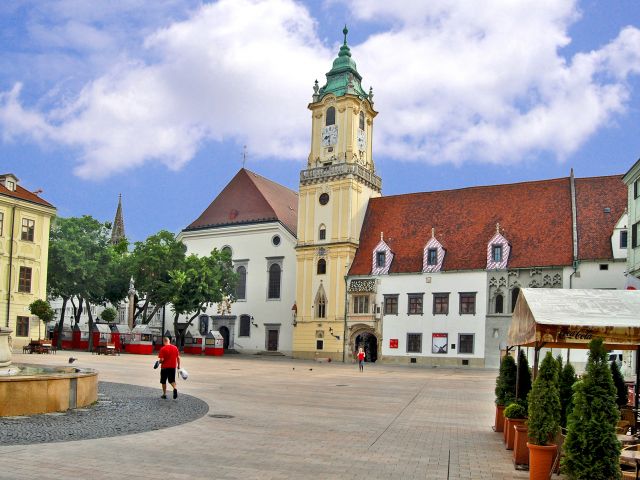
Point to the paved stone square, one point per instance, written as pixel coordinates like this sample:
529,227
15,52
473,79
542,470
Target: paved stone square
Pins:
277,418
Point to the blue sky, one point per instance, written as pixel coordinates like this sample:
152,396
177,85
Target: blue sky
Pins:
155,100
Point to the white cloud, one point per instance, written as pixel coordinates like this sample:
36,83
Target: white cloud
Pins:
454,81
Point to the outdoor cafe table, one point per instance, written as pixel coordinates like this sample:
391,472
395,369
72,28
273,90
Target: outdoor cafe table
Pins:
626,439
631,458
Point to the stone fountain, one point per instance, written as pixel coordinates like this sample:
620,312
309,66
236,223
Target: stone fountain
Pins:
30,389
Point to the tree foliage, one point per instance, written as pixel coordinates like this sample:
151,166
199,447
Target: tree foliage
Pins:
618,381
591,450
109,314
42,310
567,380
544,403
506,381
524,379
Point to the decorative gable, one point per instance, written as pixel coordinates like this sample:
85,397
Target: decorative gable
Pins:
498,250
433,255
382,258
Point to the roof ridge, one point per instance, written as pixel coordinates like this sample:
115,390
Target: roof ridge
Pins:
251,172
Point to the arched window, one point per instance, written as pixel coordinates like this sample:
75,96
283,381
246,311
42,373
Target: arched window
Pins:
245,325
361,120
321,308
241,287
274,281
514,298
331,116
322,233
499,304
322,266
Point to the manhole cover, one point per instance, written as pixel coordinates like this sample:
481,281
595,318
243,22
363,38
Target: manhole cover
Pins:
220,415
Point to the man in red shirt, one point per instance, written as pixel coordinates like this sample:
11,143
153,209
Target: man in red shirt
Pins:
169,358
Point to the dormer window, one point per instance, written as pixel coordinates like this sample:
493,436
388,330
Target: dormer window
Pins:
381,258
9,181
330,118
496,253
432,256
11,185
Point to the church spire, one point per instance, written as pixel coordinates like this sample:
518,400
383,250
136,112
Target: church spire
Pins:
117,231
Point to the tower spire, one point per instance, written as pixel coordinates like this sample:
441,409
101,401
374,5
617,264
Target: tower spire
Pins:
117,230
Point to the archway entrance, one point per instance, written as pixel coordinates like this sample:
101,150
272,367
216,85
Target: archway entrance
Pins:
224,331
369,342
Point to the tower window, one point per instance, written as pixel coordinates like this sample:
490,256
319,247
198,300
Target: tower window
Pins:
361,120
514,298
499,304
381,258
324,198
322,233
322,266
321,307
331,116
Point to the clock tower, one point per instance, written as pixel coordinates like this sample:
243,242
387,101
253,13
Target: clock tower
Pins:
335,189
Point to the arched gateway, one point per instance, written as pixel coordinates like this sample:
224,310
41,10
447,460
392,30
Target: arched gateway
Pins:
364,336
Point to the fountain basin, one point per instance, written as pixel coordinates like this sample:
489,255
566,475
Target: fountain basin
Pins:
31,389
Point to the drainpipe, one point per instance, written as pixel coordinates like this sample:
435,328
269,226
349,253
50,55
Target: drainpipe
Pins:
346,311
13,221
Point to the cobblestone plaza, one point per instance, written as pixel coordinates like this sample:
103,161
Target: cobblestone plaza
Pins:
270,418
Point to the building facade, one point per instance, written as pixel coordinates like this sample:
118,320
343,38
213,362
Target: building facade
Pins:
632,181
24,248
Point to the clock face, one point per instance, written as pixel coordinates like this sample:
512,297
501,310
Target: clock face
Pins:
329,135
362,140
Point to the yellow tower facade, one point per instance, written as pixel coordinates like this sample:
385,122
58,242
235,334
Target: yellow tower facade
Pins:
335,189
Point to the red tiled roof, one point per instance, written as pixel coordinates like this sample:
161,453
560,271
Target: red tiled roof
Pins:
595,225
535,217
24,194
250,198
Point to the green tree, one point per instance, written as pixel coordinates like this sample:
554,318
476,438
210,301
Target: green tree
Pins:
524,379
544,403
591,449
506,381
109,314
618,381
567,380
150,265
42,310
201,282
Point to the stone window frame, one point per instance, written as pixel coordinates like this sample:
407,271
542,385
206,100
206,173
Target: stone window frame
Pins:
460,343
462,301
271,261
28,230
360,304
395,297
321,267
245,325
411,338
237,266
25,279
21,329
440,295
419,304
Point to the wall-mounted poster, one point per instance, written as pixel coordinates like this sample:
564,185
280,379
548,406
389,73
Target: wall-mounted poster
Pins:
393,343
439,343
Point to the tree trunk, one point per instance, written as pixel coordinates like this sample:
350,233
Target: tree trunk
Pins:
77,311
61,323
90,324
137,310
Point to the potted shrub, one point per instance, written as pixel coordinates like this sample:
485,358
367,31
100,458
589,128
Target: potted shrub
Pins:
544,419
520,450
505,389
516,414
567,379
591,449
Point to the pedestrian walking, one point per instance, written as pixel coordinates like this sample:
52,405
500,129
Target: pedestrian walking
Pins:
361,359
169,360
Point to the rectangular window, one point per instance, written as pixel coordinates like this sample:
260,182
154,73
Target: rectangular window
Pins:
496,253
28,227
361,304
319,344
634,235
22,327
414,343
11,185
1,222
381,258
441,304
623,238
636,188
467,303
439,343
415,303
391,304
24,280
432,256
323,234
604,266
245,325
465,343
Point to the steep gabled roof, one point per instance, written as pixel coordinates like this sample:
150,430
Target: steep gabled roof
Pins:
535,217
600,202
23,194
250,198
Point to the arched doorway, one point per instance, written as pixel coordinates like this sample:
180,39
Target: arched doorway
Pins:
224,331
369,342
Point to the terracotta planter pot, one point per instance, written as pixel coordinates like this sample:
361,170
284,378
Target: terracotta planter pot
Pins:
498,425
511,433
520,450
540,461
506,429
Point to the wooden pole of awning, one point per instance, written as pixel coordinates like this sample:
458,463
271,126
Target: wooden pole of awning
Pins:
635,400
518,375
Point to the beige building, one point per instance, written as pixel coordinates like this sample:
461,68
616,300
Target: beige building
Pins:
24,249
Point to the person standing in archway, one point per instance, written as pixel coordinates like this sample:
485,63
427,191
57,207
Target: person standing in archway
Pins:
361,359
169,359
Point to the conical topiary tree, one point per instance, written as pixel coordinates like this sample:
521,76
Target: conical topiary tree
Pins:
591,450
524,379
567,379
618,381
544,404
506,381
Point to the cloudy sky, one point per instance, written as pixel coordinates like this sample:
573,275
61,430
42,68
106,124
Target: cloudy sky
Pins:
156,99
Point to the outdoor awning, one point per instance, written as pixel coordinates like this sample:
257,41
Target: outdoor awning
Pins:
570,318
101,327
